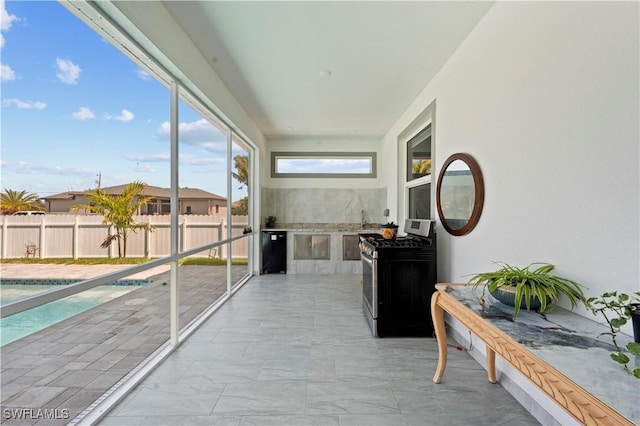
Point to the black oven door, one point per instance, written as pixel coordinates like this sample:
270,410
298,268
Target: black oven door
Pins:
370,285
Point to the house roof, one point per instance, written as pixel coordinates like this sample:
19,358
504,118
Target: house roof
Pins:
150,191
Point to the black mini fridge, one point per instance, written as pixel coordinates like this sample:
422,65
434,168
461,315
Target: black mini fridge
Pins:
274,252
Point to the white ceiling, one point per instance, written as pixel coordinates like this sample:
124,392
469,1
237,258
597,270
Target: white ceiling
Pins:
273,56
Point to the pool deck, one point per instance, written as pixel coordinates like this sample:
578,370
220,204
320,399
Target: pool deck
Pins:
69,365
71,272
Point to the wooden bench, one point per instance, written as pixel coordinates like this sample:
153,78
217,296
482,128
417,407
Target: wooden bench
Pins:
579,403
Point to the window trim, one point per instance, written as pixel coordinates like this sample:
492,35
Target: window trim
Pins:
372,156
425,119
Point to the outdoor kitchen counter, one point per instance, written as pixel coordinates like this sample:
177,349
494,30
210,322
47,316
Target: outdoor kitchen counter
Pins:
323,248
324,227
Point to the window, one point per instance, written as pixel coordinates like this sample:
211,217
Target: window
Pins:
165,206
323,164
152,206
420,202
419,155
417,146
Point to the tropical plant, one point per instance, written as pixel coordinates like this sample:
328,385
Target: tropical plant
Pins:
240,207
618,309
421,167
270,220
16,201
118,211
242,170
241,175
530,284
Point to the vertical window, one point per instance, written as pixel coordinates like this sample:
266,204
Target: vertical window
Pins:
418,175
419,155
420,201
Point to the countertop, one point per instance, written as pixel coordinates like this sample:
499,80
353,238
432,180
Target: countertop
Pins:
325,227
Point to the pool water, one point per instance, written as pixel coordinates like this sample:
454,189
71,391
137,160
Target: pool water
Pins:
28,322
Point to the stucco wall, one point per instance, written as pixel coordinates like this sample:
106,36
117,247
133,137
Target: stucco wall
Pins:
545,96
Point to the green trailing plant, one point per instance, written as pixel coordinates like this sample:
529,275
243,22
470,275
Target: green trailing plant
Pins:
618,309
527,284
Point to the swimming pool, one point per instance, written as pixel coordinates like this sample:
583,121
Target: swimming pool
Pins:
28,322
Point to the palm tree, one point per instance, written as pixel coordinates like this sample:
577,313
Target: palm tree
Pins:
241,175
118,211
242,168
16,201
422,167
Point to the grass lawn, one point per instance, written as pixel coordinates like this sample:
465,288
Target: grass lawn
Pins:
206,261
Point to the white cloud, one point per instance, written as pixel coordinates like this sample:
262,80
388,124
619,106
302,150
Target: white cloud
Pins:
192,160
125,116
23,167
68,72
6,19
20,104
142,74
84,113
143,168
6,73
198,133
165,157
150,158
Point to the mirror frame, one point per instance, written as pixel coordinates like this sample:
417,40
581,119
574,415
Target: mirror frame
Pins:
478,184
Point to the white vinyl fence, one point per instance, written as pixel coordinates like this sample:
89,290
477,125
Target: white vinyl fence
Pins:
79,236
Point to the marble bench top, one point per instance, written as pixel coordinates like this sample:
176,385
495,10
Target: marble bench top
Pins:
570,343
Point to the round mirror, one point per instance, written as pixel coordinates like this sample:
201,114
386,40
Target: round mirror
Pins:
460,194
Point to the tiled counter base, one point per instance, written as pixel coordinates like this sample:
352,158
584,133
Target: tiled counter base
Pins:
331,259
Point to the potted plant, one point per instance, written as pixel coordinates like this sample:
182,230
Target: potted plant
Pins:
389,230
536,289
618,309
270,221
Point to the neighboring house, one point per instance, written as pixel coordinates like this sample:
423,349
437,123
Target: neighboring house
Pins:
191,201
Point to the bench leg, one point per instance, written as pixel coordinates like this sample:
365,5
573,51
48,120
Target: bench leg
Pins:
491,365
437,314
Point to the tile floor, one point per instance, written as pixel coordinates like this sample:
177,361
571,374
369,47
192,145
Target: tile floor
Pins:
69,365
296,350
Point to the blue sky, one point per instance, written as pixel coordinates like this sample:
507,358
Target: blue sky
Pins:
74,107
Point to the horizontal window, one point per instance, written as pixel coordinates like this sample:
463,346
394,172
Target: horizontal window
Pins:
323,164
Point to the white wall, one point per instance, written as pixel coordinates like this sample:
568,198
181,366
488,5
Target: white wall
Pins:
545,96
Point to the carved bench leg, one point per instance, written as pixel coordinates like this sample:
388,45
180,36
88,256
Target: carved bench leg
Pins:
491,365
437,314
